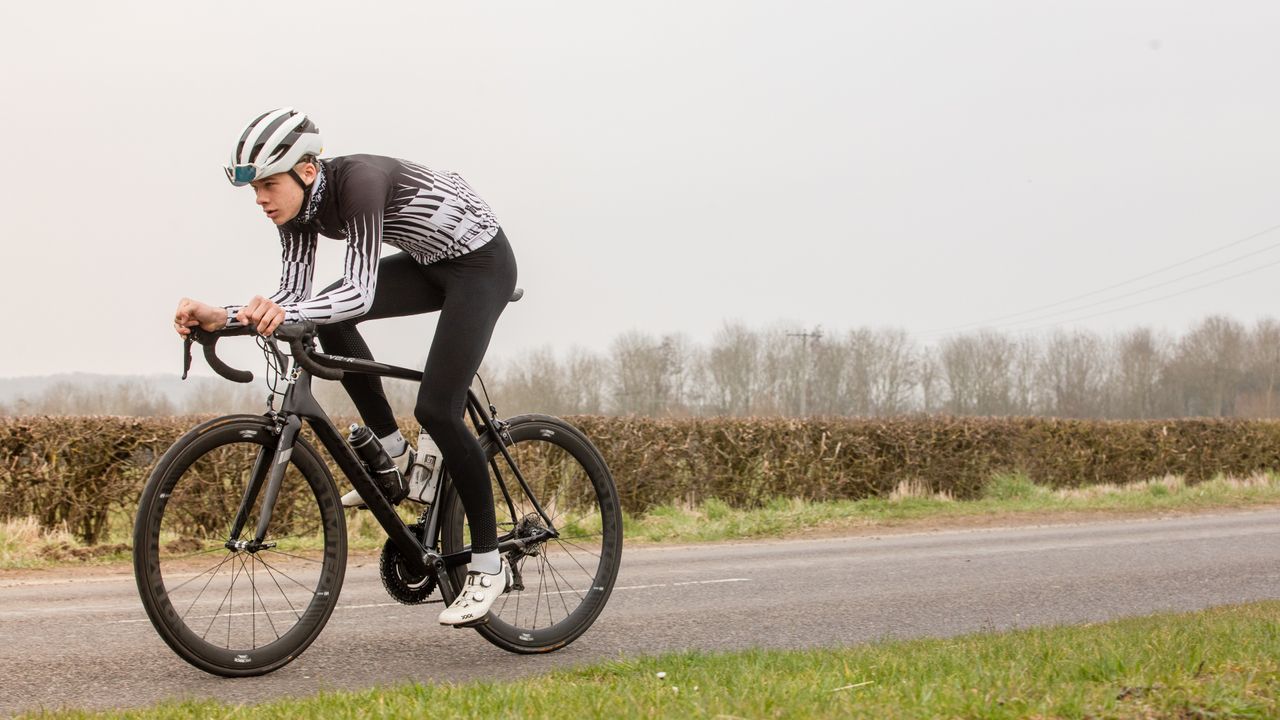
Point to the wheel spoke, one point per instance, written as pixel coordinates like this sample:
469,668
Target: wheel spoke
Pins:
218,612
282,592
291,555
212,575
554,573
213,549
558,591
575,560
213,570
562,541
537,601
286,577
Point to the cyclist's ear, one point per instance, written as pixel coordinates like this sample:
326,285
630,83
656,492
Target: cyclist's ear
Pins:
306,169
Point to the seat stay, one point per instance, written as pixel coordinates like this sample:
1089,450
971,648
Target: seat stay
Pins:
484,425
524,485
492,429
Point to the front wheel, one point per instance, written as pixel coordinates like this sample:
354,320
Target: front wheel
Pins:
562,582
223,608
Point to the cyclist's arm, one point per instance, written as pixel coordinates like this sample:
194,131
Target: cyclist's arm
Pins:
297,268
365,192
192,313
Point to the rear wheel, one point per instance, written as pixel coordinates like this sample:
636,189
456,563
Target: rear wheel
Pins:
562,583
232,611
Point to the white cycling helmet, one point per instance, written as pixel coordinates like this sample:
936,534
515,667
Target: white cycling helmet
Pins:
273,143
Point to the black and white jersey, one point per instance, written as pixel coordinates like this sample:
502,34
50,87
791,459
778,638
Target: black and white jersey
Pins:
367,200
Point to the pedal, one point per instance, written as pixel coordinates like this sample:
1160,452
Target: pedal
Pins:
472,623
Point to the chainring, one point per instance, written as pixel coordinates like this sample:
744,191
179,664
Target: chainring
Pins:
401,583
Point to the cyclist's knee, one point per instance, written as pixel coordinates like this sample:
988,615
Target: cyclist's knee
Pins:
437,417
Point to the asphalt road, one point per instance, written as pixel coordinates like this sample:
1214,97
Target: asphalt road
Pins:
74,640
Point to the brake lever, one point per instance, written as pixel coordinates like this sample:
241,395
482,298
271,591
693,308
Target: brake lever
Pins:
186,356
280,356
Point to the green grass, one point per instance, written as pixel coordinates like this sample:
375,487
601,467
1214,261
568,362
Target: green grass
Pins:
1219,663
24,545
1005,495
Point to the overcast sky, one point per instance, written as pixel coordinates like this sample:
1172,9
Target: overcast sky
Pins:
661,166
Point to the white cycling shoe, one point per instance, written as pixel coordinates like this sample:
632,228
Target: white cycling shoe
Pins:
402,463
477,596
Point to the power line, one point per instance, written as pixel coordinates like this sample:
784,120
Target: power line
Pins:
1139,291
1157,299
1091,293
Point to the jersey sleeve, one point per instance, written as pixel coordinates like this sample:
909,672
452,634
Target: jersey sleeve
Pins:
297,268
363,200
297,265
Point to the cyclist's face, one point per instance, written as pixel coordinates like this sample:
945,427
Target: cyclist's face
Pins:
279,196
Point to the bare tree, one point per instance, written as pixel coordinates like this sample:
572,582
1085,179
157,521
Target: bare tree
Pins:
782,361
646,373
834,374
930,381
1262,370
586,381
895,372
733,370
1208,365
1074,374
1140,356
535,382
976,367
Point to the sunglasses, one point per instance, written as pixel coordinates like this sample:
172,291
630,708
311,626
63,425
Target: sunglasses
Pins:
241,174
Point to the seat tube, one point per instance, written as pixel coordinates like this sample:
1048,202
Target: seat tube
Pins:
275,477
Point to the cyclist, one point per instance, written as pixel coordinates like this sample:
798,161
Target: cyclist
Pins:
455,259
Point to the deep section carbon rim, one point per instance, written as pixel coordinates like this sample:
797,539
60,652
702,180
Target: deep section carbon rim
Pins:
236,610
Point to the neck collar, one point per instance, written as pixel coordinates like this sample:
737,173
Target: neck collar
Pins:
315,195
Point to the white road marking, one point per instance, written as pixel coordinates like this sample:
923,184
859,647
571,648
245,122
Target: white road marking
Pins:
396,604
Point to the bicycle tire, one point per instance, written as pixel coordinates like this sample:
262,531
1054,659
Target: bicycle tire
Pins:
555,448
190,501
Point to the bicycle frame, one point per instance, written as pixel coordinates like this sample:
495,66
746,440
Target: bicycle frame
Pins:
300,404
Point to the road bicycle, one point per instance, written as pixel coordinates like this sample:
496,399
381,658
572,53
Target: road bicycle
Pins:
240,541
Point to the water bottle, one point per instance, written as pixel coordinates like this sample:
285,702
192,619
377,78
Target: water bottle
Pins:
380,465
424,475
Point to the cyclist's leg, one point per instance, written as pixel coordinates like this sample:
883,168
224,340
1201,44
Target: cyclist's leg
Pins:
478,287
402,289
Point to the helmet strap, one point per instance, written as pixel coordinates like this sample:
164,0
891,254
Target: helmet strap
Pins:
293,174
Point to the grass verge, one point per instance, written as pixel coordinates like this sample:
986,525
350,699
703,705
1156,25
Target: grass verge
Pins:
1219,663
1007,496
24,545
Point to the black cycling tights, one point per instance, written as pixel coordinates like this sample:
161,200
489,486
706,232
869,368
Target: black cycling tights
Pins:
470,292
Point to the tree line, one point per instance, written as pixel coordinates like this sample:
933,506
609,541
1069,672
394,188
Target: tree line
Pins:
1219,367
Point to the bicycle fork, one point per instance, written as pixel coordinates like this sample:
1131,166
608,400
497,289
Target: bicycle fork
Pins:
269,468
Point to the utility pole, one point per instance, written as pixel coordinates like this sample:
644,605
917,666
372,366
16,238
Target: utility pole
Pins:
805,337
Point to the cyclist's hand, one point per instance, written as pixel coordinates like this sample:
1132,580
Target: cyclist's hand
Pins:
261,313
191,313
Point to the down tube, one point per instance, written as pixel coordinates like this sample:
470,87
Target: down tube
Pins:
410,549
